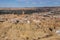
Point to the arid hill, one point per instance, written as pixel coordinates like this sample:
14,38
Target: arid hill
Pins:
42,23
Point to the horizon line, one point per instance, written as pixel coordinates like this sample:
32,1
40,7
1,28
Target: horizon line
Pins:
29,7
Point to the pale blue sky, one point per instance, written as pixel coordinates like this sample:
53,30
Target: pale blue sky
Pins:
29,3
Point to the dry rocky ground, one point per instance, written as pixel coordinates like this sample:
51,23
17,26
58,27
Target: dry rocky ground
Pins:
29,27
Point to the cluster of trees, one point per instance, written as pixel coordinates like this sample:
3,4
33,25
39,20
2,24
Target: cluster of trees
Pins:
25,11
10,11
17,11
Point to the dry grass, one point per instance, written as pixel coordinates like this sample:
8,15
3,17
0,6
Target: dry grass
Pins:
43,30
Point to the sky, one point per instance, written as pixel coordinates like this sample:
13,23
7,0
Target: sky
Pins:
29,3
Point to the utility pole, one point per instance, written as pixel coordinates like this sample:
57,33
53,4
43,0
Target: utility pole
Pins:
23,12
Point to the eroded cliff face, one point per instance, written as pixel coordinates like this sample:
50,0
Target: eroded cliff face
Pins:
29,27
